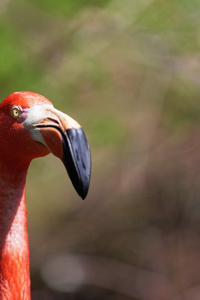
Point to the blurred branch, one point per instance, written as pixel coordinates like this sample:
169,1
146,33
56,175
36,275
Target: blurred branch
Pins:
70,272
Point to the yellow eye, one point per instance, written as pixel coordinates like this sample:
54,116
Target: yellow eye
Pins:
16,111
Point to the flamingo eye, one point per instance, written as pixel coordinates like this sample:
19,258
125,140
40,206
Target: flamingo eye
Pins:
16,111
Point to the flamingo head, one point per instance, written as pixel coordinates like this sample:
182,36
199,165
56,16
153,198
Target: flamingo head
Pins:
31,127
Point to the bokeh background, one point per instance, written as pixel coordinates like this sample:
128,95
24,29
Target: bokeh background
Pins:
129,72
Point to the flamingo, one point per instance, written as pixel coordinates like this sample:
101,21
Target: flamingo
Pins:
31,127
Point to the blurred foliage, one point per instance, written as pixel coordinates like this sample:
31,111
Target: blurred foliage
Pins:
68,8
128,71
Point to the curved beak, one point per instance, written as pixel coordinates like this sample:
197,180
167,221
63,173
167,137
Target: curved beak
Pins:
65,138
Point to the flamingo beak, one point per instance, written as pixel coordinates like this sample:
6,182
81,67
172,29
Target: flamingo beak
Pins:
65,138
77,159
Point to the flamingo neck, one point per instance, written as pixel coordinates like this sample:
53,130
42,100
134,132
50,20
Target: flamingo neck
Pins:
14,248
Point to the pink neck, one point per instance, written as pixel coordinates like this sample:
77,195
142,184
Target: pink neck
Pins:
14,248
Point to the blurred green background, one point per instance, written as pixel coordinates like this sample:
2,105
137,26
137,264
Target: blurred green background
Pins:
129,73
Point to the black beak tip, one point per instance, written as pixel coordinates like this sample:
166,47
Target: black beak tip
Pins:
82,183
77,160
84,191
